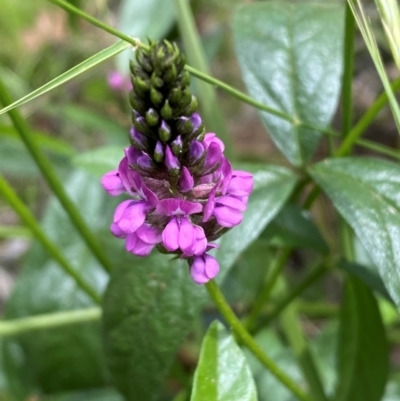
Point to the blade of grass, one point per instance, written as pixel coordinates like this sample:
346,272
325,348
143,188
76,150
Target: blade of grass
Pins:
369,38
27,217
70,74
52,180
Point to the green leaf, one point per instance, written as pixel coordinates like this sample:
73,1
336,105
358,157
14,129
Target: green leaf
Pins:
367,275
149,307
151,303
100,161
67,358
363,360
293,227
366,193
273,186
222,373
290,54
141,19
70,74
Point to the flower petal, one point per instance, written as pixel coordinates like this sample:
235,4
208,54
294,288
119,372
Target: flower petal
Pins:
227,217
187,237
112,183
211,266
170,235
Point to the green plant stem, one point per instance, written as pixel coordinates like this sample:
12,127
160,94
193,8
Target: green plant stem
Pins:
250,343
27,217
48,321
365,121
274,272
194,50
347,89
94,21
52,180
315,275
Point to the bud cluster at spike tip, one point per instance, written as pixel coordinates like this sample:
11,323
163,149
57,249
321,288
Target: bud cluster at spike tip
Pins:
183,191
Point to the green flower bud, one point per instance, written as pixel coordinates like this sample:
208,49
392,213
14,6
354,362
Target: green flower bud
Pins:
175,96
140,86
137,103
152,117
164,132
170,75
143,60
185,78
156,97
166,111
191,108
156,81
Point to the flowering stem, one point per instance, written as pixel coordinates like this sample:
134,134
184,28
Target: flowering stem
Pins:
26,216
52,180
48,321
195,53
250,343
348,143
275,271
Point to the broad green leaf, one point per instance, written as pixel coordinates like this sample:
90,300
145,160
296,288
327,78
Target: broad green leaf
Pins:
150,18
101,160
367,275
149,307
366,193
273,186
70,74
151,303
222,373
363,360
293,227
71,357
290,54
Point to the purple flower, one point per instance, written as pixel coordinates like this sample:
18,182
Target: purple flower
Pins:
227,210
143,240
204,268
118,82
112,183
212,138
180,232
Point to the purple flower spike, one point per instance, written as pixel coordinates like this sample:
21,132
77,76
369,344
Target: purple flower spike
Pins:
112,183
186,181
204,268
171,161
